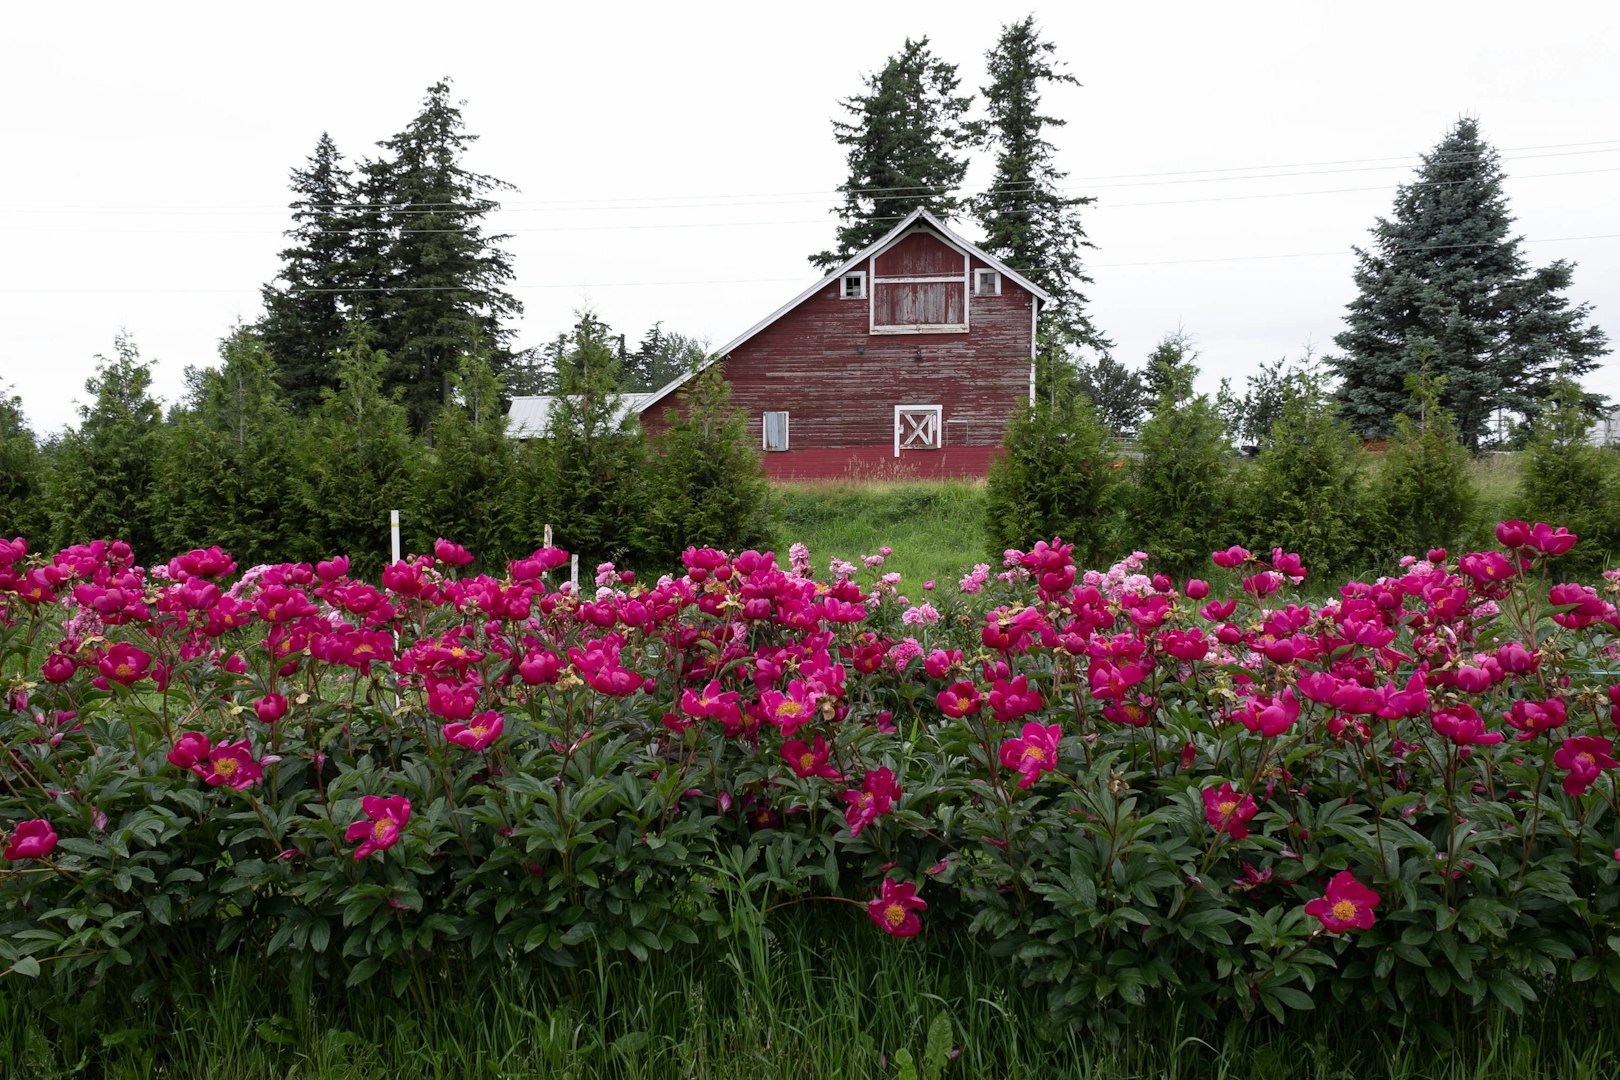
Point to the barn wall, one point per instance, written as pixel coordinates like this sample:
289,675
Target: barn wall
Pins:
839,383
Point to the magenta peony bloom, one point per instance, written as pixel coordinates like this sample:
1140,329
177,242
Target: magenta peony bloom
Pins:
386,820
479,733
229,765
895,908
959,699
878,793
1034,753
1228,811
1585,757
807,759
33,840
1347,905
124,664
451,554
270,708
1233,556
1550,541
189,749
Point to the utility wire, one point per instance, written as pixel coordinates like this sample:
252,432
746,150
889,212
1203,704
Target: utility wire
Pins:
509,231
800,280
769,198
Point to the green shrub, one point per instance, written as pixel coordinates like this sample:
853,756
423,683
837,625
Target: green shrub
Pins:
1181,498
1570,482
1422,495
1058,476
705,484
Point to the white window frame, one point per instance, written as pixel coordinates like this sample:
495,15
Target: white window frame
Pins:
984,276
764,431
857,276
939,426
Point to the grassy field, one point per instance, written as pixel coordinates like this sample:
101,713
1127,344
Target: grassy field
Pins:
936,529
811,999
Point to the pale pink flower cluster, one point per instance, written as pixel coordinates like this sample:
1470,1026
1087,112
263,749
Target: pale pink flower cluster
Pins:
872,560
842,570
921,615
245,587
606,574
84,623
1123,578
974,582
903,652
799,558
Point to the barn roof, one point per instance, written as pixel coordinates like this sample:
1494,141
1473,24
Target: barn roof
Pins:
919,214
528,416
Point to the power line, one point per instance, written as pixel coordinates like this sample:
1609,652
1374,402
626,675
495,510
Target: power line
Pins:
778,198
509,231
800,280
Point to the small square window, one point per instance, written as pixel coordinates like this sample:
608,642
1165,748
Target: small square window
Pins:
853,286
775,431
986,283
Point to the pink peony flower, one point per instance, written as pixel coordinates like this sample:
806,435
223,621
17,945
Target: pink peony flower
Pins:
895,908
33,840
1034,753
386,820
1347,905
479,733
1228,811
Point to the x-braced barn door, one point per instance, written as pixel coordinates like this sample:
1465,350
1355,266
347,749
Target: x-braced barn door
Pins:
917,427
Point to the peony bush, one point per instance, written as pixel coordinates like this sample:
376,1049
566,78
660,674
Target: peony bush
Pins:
1136,790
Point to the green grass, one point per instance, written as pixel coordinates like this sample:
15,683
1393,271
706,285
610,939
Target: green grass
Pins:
824,996
936,528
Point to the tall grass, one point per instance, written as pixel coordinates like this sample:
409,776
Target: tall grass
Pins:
818,995
936,528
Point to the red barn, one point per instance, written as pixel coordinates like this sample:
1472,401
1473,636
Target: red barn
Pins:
907,361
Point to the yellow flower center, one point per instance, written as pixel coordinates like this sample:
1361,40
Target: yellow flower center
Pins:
362,648
790,708
226,766
1226,807
478,732
1344,910
964,703
381,830
894,915
1035,754
458,652
1587,760
807,761
124,670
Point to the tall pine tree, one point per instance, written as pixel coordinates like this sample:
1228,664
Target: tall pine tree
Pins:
431,282
907,143
100,482
1028,222
22,466
305,307
1444,279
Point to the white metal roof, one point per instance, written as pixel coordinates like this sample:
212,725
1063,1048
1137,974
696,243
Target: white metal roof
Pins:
528,416
894,234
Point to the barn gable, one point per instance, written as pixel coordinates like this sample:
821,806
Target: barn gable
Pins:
919,271
907,360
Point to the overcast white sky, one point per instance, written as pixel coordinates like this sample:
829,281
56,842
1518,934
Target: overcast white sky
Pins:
675,162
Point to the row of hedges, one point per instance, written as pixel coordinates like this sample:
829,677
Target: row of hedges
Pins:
1134,789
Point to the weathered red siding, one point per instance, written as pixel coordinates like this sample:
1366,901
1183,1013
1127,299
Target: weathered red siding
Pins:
840,384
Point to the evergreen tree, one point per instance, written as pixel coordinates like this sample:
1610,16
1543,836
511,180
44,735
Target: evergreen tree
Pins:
1444,277
1422,490
356,461
100,483
1028,223
1182,494
1171,367
1567,481
228,470
466,482
1119,394
706,486
304,319
22,502
907,146
660,359
1056,477
1306,483
1249,419
431,282
585,477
